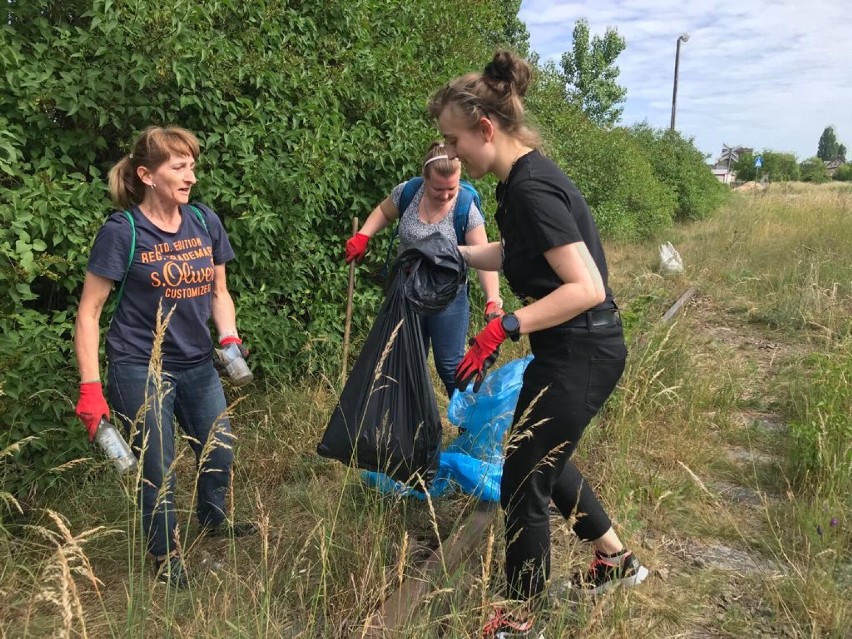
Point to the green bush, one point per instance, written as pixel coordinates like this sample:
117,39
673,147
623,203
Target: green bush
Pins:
626,198
814,170
308,113
681,166
843,173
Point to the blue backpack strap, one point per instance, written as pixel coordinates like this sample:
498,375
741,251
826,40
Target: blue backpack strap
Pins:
408,192
467,195
130,219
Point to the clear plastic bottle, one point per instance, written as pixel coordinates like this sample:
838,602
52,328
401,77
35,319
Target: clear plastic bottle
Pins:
114,447
234,364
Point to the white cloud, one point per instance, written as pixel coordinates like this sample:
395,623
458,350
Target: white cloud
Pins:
762,73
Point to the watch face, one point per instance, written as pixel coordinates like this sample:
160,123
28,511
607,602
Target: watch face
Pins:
511,324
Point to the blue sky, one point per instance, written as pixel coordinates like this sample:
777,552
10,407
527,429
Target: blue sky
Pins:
762,73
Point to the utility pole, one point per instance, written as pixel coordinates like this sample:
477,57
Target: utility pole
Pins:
683,38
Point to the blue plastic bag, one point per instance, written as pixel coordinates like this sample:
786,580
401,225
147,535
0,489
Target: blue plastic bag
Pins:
473,462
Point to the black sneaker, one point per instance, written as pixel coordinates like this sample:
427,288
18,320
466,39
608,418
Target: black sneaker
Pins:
228,529
603,576
172,571
504,625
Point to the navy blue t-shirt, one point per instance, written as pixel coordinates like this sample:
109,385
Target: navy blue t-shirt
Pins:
175,269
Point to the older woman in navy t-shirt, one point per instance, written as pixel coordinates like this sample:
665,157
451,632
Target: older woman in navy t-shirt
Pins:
175,278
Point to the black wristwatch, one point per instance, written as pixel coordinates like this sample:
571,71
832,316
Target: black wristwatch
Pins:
512,326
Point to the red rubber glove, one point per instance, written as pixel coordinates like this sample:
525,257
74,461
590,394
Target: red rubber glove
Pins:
480,356
356,247
92,406
233,339
492,310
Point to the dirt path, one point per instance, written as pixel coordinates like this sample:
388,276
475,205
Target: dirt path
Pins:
743,488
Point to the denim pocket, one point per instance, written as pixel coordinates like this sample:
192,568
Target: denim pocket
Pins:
603,377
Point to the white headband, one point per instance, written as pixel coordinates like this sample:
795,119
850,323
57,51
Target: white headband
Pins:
437,157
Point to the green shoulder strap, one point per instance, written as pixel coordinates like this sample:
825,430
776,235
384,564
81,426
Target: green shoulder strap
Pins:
130,219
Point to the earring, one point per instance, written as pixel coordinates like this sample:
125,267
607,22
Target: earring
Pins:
152,185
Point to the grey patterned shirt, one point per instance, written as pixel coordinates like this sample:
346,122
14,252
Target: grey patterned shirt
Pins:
413,229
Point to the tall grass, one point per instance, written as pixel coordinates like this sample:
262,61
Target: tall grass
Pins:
771,268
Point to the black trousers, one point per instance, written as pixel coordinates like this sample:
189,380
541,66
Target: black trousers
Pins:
571,376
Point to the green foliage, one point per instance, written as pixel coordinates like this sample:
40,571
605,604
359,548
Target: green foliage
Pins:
513,33
607,165
828,147
590,73
780,167
308,114
822,430
843,173
744,167
681,167
814,170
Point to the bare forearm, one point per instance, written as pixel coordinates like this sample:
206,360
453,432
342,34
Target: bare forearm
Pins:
379,218
490,283
566,302
224,313
86,343
483,257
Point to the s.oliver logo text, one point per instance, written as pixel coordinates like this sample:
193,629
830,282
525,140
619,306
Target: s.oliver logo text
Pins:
181,274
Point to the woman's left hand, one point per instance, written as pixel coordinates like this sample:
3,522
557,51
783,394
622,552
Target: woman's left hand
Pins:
481,356
492,310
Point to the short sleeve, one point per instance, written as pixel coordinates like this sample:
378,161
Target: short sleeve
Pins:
396,194
474,217
110,253
223,252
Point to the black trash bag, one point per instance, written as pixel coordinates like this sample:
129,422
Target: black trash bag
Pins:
387,419
433,273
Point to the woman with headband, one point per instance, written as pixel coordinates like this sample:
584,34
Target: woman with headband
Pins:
432,209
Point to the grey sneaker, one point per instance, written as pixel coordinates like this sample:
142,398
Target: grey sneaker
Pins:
172,571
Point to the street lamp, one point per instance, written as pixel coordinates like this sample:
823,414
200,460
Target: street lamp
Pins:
683,38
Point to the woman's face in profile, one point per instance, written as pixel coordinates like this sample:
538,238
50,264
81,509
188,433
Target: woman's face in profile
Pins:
464,143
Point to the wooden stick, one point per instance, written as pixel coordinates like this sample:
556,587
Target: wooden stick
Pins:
678,305
348,323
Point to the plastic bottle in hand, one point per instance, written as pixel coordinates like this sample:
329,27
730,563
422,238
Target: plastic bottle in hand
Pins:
234,364
114,447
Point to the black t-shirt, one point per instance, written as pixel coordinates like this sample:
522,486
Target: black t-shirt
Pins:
539,208
173,268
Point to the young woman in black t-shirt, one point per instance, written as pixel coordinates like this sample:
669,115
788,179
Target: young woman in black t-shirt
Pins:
552,257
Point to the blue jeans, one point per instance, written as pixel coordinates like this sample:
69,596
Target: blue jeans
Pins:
447,331
195,396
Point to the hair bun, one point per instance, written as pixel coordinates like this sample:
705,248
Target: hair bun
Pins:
508,73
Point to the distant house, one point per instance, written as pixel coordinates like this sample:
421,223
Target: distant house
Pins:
723,174
833,165
722,167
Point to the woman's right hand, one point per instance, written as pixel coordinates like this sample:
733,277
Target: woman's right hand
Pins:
92,406
356,247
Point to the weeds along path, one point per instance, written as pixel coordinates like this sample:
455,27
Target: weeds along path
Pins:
722,561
